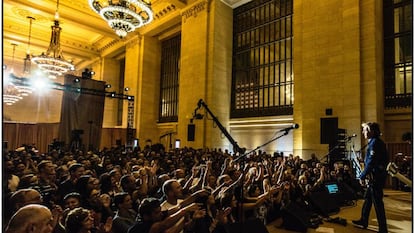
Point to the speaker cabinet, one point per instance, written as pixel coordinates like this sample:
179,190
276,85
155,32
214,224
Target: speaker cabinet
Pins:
295,218
324,203
329,128
190,132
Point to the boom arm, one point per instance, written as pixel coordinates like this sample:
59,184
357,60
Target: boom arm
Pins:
236,147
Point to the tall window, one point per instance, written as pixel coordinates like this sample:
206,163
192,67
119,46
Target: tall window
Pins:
262,77
398,53
170,58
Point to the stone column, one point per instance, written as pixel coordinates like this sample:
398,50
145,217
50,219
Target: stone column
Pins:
205,70
142,72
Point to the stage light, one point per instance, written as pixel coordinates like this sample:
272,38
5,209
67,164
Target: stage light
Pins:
40,84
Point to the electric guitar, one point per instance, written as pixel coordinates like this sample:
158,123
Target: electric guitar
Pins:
392,169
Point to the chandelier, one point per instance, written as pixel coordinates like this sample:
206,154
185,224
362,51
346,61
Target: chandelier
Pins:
11,93
52,62
123,16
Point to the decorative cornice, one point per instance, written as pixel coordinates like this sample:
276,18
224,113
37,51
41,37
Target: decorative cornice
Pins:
133,42
165,11
108,45
193,10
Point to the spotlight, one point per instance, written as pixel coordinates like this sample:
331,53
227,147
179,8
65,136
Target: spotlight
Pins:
92,72
126,89
40,84
130,97
76,80
87,73
108,85
112,94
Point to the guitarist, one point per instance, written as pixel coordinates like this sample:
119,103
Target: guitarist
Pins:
376,160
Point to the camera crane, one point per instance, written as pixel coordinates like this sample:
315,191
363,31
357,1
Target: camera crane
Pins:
196,115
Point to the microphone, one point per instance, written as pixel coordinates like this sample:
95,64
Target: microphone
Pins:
294,126
352,136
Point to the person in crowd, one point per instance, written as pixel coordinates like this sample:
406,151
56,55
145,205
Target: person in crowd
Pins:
116,175
84,187
28,181
72,200
125,216
376,160
105,181
129,185
23,197
46,184
76,170
173,192
80,220
153,220
12,179
261,186
161,180
32,218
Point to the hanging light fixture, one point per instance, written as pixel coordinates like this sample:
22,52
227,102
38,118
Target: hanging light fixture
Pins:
27,59
123,16
52,62
10,93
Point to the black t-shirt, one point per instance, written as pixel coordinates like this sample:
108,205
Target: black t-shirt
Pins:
140,227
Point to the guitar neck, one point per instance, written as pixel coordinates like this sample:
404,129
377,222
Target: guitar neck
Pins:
402,178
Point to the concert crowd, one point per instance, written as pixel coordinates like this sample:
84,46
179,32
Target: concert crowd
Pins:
187,190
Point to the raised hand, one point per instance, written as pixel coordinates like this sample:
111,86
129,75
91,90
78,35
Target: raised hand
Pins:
107,227
199,214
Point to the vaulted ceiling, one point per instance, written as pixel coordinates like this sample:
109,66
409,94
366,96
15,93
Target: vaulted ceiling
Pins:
85,36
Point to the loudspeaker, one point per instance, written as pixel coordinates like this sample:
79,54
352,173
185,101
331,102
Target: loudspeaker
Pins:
329,127
347,193
118,142
295,218
249,226
190,132
324,203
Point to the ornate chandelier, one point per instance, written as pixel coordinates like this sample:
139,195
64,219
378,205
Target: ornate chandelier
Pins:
11,93
123,16
53,62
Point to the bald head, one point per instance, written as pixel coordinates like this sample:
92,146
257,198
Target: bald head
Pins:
31,218
24,197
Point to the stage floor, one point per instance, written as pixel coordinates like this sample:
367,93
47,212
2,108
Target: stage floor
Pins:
398,209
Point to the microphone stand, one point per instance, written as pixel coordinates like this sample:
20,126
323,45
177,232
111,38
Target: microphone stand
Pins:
286,132
334,148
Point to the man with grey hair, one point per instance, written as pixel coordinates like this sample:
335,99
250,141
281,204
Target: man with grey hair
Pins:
376,159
